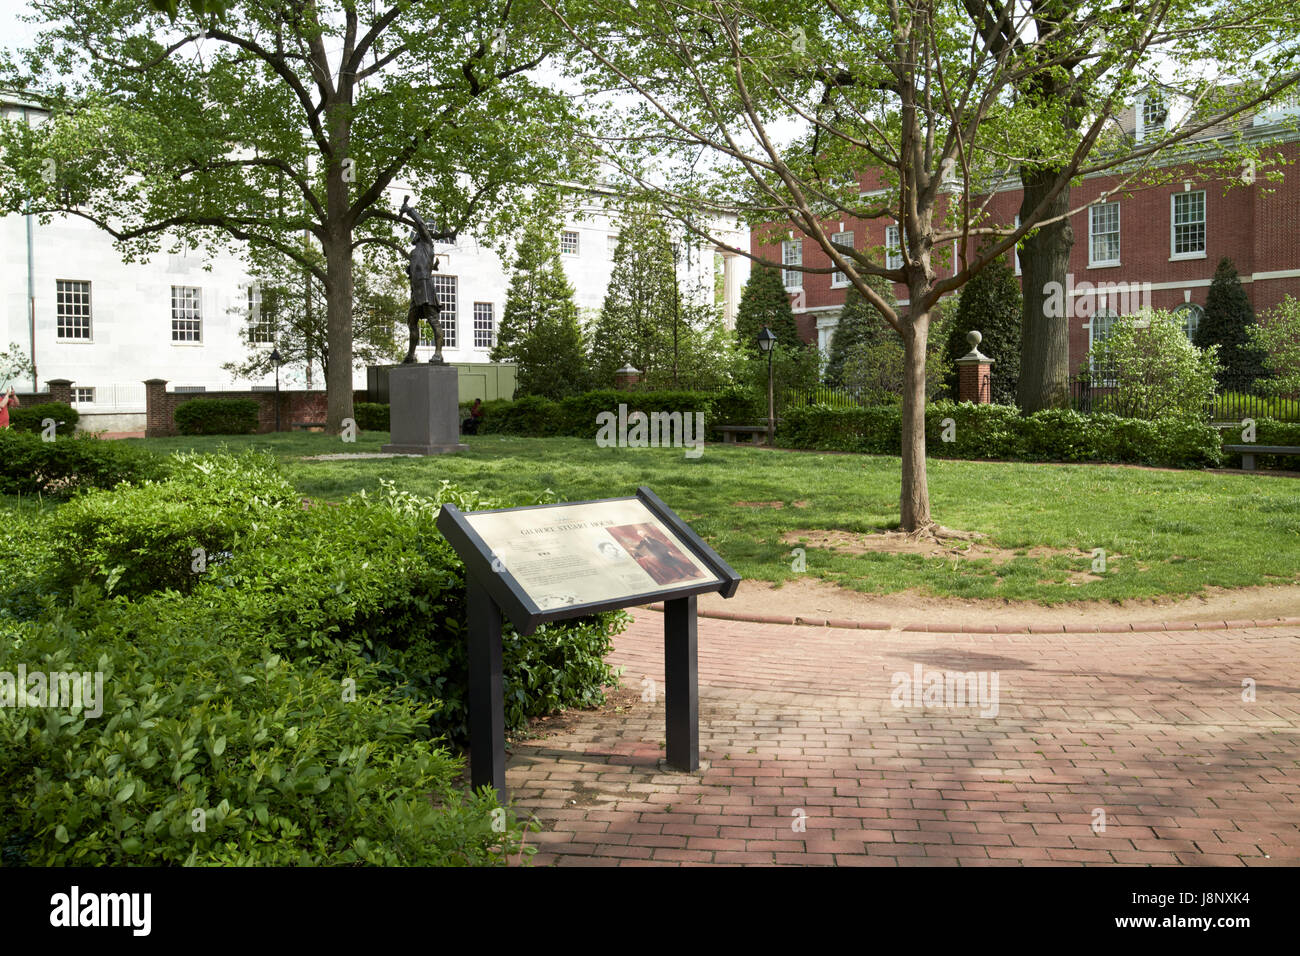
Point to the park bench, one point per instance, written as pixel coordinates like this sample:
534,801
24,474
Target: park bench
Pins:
308,426
755,433
1248,452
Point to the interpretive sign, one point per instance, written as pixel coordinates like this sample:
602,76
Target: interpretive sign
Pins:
551,562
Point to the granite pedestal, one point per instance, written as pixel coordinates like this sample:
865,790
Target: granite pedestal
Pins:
423,410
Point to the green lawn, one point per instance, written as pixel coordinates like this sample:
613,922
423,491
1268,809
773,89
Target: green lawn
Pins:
1175,531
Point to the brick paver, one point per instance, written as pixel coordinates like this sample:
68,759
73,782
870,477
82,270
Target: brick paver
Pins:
811,763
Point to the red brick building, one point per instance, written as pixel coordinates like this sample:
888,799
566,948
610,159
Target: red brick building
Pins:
1155,246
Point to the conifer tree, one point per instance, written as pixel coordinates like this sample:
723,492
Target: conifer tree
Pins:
1227,322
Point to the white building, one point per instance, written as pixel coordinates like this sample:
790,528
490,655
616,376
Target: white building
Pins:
67,298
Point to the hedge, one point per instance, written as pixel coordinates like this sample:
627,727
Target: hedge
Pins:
30,417
217,416
575,416
293,692
1001,432
371,416
30,465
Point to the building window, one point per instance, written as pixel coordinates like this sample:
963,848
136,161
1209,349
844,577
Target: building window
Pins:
1103,235
568,243
83,396
187,314
73,299
1190,316
445,288
792,255
485,326
611,245
893,248
1015,250
1154,115
841,239
1188,225
1099,329
261,328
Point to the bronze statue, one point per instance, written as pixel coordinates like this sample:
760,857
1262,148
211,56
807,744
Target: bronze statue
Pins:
424,297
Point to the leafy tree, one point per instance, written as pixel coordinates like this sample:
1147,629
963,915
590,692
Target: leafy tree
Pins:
641,302
287,312
1153,371
1226,323
764,302
539,330
14,364
860,325
991,303
792,101
276,120
1277,337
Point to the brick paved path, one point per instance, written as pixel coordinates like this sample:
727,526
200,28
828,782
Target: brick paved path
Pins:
798,727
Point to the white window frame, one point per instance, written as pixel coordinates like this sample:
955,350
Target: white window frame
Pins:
78,391
839,279
1113,317
1173,225
260,330
59,302
570,237
185,315
792,255
1015,250
1144,127
449,304
1093,234
491,327
893,247
1186,310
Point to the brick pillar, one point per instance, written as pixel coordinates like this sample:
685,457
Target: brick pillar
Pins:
157,417
975,373
60,390
626,377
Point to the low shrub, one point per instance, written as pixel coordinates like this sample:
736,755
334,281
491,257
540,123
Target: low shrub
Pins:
217,416
371,416
61,468
163,534
970,431
30,418
211,749
575,416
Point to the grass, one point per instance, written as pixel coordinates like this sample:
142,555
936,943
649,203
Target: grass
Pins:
1175,531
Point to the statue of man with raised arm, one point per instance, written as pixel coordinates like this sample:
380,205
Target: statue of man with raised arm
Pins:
424,297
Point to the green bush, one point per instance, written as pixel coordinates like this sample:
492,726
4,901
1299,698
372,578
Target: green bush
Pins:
30,417
217,416
575,416
161,534
213,750
371,416
30,466
1000,432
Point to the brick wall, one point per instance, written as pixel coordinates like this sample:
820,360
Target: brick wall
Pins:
161,405
1257,225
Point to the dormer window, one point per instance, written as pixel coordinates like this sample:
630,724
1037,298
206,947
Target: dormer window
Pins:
1154,112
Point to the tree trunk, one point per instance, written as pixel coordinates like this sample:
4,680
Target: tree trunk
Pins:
914,500
1045,321
338,269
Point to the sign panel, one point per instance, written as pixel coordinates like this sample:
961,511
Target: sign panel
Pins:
594,552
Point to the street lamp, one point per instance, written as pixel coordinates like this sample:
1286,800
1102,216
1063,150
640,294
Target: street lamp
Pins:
276,359
766,343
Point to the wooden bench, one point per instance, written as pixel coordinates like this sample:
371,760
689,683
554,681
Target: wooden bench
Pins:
308,426
1248,452
755,433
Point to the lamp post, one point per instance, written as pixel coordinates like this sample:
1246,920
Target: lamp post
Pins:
766,343
276,360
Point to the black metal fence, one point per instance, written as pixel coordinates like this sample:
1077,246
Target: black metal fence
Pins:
1232,402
